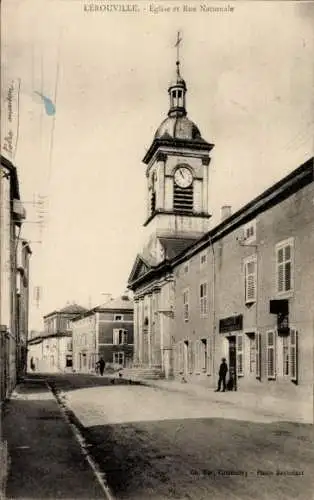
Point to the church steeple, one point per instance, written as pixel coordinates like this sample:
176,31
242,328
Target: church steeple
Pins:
177,89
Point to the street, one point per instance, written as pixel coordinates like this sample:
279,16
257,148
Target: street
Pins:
160,445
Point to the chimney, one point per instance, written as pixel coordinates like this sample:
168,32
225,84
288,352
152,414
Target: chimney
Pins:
225,212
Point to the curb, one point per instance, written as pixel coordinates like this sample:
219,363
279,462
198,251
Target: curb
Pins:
78,430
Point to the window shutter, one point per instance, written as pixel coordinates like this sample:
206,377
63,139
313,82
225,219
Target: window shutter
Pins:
190,357
180,367
250,268
271,354
197,359
240,355
258,354
116,336
293,355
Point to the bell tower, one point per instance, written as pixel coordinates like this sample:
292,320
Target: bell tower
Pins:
177,171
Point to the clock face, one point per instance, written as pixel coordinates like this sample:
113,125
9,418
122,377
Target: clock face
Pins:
183,177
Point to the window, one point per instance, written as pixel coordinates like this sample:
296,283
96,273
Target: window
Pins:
271,359
120,336
203,258
240,355
203,299
69,346
284,264
186,268
186,305
118,317
250,273
118,358
258,354
249,231
68,361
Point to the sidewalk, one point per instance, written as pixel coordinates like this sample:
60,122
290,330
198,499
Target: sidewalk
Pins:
45,459
298,409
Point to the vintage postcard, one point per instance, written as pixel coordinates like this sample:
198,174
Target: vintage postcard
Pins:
156,254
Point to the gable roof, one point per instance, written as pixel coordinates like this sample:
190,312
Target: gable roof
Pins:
140,267
69,309
119,304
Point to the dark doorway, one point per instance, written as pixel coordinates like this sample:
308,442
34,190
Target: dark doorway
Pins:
233,361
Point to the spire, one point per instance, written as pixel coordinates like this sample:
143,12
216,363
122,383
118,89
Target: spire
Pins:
177,89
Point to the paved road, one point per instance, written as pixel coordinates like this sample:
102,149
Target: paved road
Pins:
158,445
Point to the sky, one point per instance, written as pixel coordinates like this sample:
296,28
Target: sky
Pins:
249,75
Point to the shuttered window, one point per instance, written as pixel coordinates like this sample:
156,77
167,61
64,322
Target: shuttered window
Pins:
203,299
250,270
240,355
271,354
186,305
293,355
120,336
284,262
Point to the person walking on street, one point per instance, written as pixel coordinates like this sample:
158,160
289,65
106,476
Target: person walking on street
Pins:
223,370
101,365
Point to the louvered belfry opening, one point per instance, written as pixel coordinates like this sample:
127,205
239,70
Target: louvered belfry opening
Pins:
153,202
183,199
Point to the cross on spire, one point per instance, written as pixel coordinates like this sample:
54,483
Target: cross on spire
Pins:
177,45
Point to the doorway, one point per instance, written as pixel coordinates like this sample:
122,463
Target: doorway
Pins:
232,355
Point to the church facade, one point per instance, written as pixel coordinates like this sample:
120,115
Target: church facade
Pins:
177,215
240,290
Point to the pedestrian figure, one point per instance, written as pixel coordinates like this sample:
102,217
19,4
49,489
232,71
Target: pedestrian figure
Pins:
223,370
101,365
32,364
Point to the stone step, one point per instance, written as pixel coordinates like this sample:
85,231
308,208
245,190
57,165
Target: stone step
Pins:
142,373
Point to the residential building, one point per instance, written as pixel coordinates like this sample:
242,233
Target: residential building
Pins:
13,313
242,290
106,331
57,338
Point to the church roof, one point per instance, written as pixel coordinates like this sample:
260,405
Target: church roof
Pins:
178,127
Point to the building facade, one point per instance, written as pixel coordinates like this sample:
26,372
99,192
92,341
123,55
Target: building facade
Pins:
57,339
104,332
13,313
244,292
241,290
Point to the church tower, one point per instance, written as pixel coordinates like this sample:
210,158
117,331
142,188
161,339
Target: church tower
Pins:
177,162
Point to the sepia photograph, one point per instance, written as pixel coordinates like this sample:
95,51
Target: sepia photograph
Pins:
157,250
